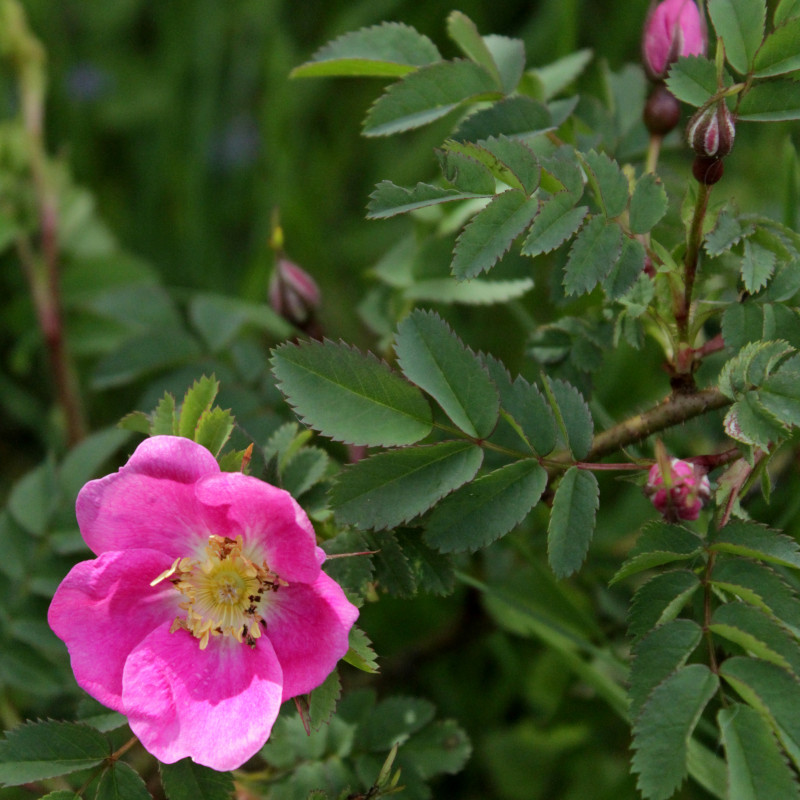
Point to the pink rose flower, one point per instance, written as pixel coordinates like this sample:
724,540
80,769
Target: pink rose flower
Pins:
674,28
682,495
205,608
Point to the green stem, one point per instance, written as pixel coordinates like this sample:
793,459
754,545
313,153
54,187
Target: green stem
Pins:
690,261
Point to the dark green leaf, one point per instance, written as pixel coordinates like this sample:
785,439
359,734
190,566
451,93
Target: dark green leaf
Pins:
482,511
556,76
304,470
771,101
592,256
661,600
390,488
693,80
393,573
728,231
185,780
221,319
756,767
572,521
755,541
740,24
433,571
36,751
509,160
350,396
490,233
393,721
390,49
352,572
322,701
611,183
572,416
663,729
34,498
469,169
389,200
85,460
121,782
463,31
779,53
628,269
440,747
660,544
758,264
435,359
426,95
514,116
530,411
556,221
648,203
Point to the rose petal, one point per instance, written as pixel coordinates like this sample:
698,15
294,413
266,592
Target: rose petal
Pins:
308,625
103,609
151,502
270,521
216,706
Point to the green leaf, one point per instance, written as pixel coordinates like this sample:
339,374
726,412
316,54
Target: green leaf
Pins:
85,460
649,203
509,55
693,80
531,412
750,367
428,94
755,541
197,401
780,392
661,600
748,421
491,232
393,721
34,499
474,292
121,782
350,396
509,160
433,571
482,511
662,731
556,221
611,183
592,256
164,419
758,264
657,655
572,521
440,747
572,416
786,9
322,701
61,794
771,691
389,200
463,31
557,75
756,766
360,653
516,116
185,780
779,54
628,269
740,24
387,50
351,572
393,573
469,168
36,751
771,101
659,544
214,429
392,487
304,470
728,231
436,360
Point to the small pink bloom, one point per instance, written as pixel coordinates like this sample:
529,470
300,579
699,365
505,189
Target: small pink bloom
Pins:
682,494
293,293
674,28
205,608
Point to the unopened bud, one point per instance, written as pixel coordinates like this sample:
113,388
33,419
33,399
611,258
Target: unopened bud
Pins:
682,493
707,170
711,131
662,111
293,293
673,28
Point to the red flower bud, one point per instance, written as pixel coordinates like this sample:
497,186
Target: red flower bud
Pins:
711,131
293,293
682,493
673,28
707,170
662,111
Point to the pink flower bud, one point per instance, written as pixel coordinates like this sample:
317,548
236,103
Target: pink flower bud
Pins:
673,28
293,293
682,494
711,131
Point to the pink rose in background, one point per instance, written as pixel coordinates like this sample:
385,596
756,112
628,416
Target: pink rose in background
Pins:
205,608
673,28
682,494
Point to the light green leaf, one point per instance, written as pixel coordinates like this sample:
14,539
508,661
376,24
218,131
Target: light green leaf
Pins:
469,168
662,731
556,221
436,360
509,55
463,31
659,544
572,414
628,269
360,653
771,101
755,541
756,766
473,292
611,183
185,780
34,498
392,487
85,460
350,396
648,203
509,160
593,255
389,200
779,54
740,24
661,600
428,94
121,782
387,50
785,10
556,76
693,80
758,264
491,232
164,419
515,116
442,747
572,521
729,230
196,402
483,510
214,429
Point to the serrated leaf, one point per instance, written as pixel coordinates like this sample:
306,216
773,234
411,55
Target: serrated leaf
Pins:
516,116
750,367
611,183
528,408
433,571
428,94
556,221
593,255
509,160
561,73
463,31
164,419
771,691
351,572
490,233
758,264
392,487
509,55
649,203
779,53
661,600
390,49
756,766
36,751
785,10
728,231
436,360
572,415
657,655
389,200
322,701
771,101
197,401
474,292
392,570
780,393
214,429
350,396
121,782
185,780
440,747
304,470
663,729
393,721
693,80
755,541
572,521
740,24
482,511
360,653
628,269
748,421
659,544
135,422
468,171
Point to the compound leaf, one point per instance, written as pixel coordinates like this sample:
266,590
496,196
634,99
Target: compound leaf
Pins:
572,521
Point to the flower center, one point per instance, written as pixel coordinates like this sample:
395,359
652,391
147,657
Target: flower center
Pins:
222,594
